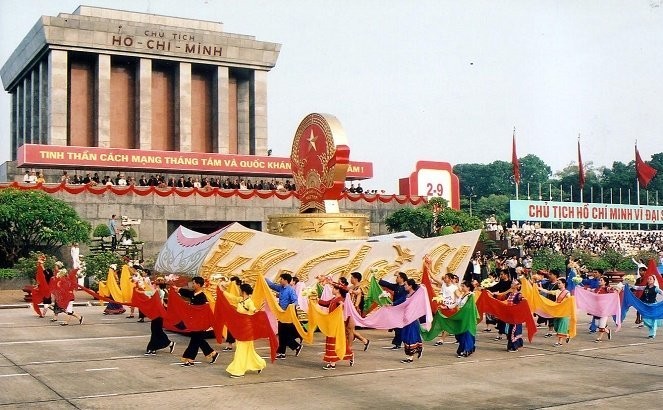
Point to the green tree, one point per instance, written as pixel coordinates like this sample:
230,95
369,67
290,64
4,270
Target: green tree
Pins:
97,265
35,221
497,205
419,221
533,170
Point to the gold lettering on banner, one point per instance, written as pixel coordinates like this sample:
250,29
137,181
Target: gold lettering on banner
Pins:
444,251
414,274
303,272
404,254
355,262
82,156
458,258
51,155
262,263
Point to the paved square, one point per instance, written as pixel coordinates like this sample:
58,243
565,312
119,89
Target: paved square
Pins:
101,365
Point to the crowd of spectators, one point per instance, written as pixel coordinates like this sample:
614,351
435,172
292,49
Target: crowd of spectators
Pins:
592,241
163,181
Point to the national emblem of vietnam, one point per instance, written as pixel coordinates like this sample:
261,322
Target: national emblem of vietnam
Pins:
320,157
319,161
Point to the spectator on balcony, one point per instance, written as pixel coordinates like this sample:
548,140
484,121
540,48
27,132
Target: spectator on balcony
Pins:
143,181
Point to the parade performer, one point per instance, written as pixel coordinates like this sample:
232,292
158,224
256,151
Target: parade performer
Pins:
649,293
112,307
330,358
287,332
514,331
357,297
400,295
410,334
448,294
560,324
498,290
65,284
198,298
245,357
602,289
158,338
42,292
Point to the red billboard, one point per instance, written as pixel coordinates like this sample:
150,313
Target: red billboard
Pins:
57,156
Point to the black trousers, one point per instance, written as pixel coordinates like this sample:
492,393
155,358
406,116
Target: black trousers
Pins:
159,338
287,335
397,340
230,338
197,342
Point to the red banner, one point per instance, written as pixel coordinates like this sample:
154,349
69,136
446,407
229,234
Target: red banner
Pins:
57,156
204,192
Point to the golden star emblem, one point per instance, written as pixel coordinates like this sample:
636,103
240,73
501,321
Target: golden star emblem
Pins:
311,139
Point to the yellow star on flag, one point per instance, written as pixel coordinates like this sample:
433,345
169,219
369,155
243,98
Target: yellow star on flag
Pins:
311,139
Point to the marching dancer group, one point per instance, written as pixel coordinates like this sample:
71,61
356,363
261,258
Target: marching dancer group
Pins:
417,312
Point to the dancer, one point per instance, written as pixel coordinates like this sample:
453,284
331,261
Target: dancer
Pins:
287,331
400,295
649,293
514,331
197,297
411,334
498,290
466,340
245,358
158,338
357,297
230,339
338,292
448,292
603,320
560,324
65,284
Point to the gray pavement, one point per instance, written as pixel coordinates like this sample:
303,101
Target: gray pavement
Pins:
101,365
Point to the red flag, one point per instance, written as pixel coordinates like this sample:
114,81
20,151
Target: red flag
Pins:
644,171
514,160
581,169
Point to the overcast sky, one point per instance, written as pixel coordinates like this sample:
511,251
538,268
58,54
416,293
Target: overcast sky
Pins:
438,80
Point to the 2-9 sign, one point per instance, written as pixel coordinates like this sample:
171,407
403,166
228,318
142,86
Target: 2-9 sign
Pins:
436,190
432,179
433,182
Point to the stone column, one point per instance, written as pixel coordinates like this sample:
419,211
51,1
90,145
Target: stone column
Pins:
43,102
13,133
27,117
243,117
27,109
145,104
20,114
259,101
103,100
35,93
221,142
183,107
57,97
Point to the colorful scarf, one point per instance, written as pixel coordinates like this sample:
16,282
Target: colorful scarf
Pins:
649,311
600,305
547,308
464,320
390,317
513,314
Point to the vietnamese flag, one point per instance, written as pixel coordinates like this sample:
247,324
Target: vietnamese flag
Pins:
643,171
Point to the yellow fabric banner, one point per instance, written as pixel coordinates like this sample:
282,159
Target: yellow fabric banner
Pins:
549,308
330,324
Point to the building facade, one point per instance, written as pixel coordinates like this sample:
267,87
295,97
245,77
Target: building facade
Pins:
116,79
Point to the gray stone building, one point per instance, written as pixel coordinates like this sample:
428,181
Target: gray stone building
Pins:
116,79
103,79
